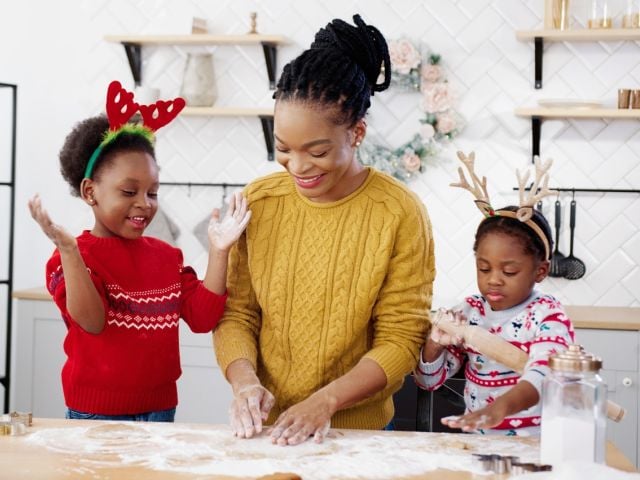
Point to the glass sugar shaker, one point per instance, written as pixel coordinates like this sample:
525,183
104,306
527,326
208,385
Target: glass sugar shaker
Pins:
574,410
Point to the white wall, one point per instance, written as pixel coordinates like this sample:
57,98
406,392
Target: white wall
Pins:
55,52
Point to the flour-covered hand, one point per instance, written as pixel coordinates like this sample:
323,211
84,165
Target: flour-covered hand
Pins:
309,418
250,407
487,417
224,233
62,239
441,337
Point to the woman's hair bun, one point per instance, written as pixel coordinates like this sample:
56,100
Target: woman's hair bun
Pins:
363,44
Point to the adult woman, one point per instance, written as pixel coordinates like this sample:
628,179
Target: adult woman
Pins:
330,287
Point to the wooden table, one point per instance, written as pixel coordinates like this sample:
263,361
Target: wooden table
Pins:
72,455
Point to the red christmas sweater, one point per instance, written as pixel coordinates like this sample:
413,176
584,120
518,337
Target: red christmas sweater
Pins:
132,365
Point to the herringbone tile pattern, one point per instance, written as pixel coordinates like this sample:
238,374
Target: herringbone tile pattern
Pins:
492,74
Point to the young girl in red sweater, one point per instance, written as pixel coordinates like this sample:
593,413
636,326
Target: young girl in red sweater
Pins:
121,294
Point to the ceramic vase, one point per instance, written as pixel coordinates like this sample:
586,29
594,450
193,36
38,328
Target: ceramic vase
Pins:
198,85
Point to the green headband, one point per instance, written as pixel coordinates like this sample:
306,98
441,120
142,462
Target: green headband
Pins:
111,135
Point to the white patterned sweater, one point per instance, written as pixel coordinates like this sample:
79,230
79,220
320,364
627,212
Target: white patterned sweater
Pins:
538,326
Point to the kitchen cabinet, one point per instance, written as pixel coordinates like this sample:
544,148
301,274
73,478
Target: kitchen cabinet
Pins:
620,353
203,393
133,48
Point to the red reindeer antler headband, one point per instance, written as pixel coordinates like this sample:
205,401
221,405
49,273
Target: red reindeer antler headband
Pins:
121,107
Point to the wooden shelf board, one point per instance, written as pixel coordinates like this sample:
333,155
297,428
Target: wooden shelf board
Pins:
227,112
584,34
577,112
197,39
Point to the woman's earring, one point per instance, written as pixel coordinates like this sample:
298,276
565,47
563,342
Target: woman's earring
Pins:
358,143
91,201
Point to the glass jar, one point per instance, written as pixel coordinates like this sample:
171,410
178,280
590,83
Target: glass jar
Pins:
631,15
599,14
574,410
560,14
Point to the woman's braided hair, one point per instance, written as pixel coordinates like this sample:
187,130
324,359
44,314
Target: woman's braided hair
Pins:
341,68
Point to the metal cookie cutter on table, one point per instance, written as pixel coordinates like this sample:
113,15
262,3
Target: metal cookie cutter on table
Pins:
15,423
500,464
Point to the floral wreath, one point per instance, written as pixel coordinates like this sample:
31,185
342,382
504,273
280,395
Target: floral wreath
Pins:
439,124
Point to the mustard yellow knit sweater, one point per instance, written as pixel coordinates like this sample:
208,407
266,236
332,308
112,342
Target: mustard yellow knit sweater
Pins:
315,287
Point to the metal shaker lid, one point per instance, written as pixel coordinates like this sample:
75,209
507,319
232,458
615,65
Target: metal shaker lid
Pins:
575,359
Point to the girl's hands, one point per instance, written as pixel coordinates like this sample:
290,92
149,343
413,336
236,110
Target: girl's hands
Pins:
311,417
62,239
223,234
487,417
439,336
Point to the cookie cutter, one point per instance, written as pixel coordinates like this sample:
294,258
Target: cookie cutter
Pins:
15,423
500,464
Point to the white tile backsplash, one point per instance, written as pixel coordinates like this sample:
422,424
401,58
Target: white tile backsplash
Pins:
491,71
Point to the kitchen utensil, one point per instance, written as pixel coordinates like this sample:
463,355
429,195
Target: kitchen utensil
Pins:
573,268
555,269
500,350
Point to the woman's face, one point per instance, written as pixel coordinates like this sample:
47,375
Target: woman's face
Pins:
317,153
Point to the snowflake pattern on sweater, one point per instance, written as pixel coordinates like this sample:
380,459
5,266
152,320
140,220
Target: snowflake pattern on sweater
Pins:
538,326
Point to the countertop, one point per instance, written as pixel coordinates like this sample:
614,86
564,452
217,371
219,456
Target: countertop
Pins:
612,318
56,449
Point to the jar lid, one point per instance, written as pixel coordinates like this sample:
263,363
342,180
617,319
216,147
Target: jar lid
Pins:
575,359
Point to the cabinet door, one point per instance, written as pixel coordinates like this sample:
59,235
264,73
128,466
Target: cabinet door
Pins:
38,358
203,393
204,396
619,350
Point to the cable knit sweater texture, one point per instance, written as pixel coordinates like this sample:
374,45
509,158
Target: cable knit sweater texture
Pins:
132,365
315,287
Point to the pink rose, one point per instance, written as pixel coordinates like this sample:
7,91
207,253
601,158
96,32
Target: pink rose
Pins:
430,73
427,131
404,56
411,162
436,97
445,123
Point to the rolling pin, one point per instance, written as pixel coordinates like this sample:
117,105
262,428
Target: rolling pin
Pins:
500,350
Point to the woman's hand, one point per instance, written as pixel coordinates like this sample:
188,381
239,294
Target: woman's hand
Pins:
311,417
62,239
223,234
251,401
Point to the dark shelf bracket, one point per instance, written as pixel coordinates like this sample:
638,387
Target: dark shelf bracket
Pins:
270,58
134,56
539,46
536,127
267,130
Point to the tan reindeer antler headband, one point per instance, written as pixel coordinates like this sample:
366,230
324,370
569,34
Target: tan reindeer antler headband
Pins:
528,197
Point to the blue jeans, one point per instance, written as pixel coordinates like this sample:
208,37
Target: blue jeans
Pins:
161,416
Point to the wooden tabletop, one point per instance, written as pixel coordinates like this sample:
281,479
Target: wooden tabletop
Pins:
55,449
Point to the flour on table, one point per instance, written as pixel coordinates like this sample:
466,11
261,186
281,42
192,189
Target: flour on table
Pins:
204,451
